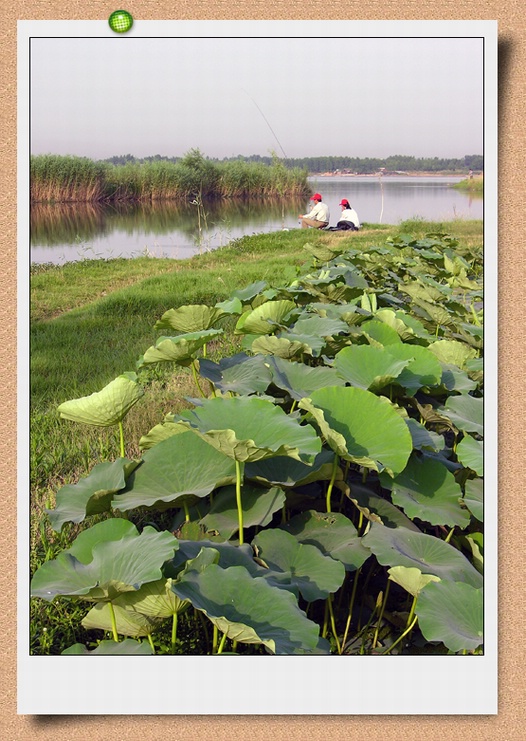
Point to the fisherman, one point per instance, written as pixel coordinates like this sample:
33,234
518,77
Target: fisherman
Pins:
318,217
349,220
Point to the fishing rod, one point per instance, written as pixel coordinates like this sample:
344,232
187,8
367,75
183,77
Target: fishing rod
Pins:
266,121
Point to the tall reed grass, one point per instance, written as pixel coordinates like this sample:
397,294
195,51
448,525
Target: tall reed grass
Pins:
58,179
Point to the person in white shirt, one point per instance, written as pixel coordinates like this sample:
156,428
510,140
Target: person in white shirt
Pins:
348,217
318,217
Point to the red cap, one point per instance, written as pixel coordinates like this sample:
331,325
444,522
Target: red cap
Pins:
315,197
344,202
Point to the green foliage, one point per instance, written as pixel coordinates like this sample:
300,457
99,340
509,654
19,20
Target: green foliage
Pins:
340,453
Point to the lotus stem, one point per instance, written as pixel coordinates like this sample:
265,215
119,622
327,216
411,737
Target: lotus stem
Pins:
293,407
174,631
411,612
186,511
113,623
121,439
380,616
222,644
406,631
331,482
214,639
194,371
238,501
351,605
150,641
333,624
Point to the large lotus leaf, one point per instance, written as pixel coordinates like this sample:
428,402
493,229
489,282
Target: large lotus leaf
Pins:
474,497
313,574
300,380
333,533
247,294
424,439
106,407
266,318
189,318
346,312
161,432
423,369
129,622
249,429
279,346
452,352
192,554
410,578
319,326
128,647
395,320
403,547
466,412
285,471
436,313
120,563
91,495
368,367
454,379
230,306
239,374
361,427
181,468
453,613
180,350
248,609
378,509
258,507
379,333
423,292
470,453
414,325
428,491
313,344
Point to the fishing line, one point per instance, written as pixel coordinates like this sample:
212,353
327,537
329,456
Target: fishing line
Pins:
265,119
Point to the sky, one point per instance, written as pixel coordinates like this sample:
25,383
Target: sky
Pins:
302,97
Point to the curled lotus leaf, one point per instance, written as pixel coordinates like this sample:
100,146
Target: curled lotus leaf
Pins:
239,374
361,427
190,318
107,407
379,333
299,380
377,509
128,647
466,412
249,429
129,622
423,368
411,578
280,347
249,609
161,432
251,291
180,350
312,343
470,453
266,318
453,352
474,497
368,367
453,613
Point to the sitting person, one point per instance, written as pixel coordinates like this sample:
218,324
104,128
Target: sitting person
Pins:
348,218
318,217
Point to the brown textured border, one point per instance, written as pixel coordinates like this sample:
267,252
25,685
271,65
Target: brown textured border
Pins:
508,724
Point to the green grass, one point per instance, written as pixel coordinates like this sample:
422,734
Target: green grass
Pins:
91,320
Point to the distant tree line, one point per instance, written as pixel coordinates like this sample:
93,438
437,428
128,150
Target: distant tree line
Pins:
359,165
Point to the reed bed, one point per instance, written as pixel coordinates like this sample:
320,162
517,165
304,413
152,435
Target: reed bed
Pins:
58,179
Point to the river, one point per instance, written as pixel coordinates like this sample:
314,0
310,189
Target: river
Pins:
67,232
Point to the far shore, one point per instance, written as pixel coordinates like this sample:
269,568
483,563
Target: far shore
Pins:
337,174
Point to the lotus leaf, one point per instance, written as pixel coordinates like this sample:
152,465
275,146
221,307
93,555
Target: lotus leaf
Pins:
248,609
470,453
403,547
180,350
428,491
368,367
279,346
378,509
259,506
249,429
313,345
106,407
396,320
451,612
161,432
265,319
380,333
410,578
92,495
230,306
288,472
127,647
422,370
361,427
128,622
313,574
466,413
180,469
454,379
248,293
319,326
104,561
424,438
239,374
333,533
155,599
298,380
189,318
474,497
452,352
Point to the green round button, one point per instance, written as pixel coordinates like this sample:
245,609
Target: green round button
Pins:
120,21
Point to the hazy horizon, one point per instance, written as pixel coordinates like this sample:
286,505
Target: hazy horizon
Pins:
302,97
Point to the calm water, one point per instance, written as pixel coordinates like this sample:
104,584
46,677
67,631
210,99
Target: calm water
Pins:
62,233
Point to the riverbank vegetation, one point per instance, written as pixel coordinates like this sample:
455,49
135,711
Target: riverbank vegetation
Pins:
324,569
58,179
471,184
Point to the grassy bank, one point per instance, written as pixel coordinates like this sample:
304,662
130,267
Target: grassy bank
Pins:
90,321
473,185
59,179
